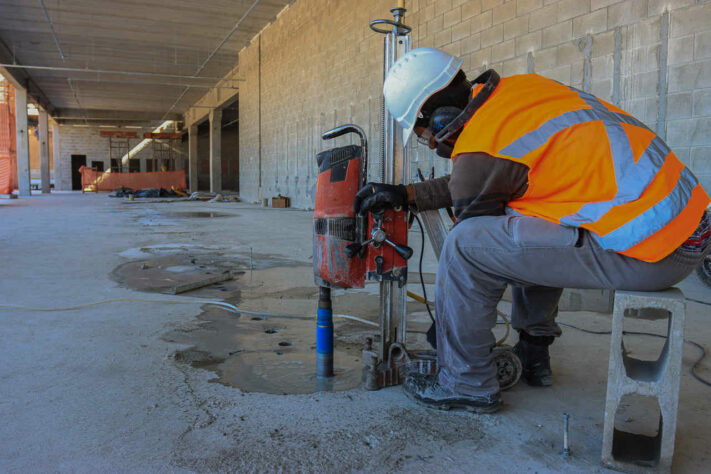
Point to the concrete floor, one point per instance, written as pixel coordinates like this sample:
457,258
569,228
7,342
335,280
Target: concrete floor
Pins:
98,388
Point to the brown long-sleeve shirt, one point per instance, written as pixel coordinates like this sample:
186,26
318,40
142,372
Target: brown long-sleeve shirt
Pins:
480,185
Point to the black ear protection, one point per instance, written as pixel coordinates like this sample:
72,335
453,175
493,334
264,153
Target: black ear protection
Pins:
447,120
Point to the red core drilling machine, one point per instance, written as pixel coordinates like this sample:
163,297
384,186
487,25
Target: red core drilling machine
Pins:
348,248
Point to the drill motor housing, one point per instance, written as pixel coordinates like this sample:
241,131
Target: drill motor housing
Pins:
347,248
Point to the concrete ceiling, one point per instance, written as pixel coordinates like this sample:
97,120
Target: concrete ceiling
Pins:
172,43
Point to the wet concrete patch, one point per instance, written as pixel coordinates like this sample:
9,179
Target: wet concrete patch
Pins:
161,268
268,354
154,218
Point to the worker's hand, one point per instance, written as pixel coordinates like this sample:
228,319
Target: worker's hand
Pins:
376,198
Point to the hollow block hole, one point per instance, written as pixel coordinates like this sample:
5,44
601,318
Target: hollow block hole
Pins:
638,428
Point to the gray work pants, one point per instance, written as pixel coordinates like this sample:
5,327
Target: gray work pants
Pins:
483,254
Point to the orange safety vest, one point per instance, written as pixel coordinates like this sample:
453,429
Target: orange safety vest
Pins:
591,165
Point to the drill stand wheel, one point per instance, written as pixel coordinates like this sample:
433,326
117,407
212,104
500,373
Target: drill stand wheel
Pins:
400,363
508,366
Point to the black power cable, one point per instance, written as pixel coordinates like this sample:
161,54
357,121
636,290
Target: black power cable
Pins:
422,279
693,368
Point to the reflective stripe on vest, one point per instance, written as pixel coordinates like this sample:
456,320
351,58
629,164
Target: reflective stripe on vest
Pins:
626,222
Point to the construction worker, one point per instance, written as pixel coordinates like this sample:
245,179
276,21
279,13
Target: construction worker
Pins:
552,188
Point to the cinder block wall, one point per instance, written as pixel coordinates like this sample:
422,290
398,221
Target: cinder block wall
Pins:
88,141
319,65
78,141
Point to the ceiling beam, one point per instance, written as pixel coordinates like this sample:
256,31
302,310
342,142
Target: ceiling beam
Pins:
116,115
21,79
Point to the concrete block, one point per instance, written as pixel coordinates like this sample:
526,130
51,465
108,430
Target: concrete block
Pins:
527,6
702,44
700,160
644,84
689,132
567,53
546,59
481,22
705,182
471,43
515,66
557,34
471,8
443,38
657,7
434,26
602,89
560,74
443,5
480,58
503,51
595,22
489,4
516,27
684,154
568,9
452,17
690,20
542,18
504,12
577,69
602,68
660,379
691,76
452,48
528,42
603,44
461,30
493,35
597,4
625,13
702,103
643,33
681,50
679,105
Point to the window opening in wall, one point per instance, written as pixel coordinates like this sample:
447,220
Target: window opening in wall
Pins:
115,168
98,165
134,165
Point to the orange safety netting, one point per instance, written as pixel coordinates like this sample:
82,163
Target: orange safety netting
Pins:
92,180
8,154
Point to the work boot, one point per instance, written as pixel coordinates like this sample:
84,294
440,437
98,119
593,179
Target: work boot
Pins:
533,353
426,390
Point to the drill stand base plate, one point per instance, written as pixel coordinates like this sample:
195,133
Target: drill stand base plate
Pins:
379,374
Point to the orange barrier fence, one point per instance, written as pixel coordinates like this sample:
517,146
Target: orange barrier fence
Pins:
92,180
8,155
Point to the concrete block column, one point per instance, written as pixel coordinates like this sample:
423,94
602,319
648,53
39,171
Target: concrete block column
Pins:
44,150
216,151
55,155
658,379
23,144
193,157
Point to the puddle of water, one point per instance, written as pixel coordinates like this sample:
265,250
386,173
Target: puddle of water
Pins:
197,214
160,268
271,355
153,218
253,352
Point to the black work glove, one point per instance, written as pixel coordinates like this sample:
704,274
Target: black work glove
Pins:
376,198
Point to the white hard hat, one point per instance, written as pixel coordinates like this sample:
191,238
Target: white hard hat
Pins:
413,79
